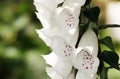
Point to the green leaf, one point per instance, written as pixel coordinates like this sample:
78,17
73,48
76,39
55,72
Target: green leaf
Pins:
87,2
109,26
111,58
104,73
92,14
107,41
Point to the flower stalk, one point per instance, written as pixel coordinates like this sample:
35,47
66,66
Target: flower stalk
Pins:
70,29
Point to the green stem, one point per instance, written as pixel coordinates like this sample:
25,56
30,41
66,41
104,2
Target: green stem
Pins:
109,26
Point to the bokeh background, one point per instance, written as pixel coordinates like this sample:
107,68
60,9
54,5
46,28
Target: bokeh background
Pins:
21,48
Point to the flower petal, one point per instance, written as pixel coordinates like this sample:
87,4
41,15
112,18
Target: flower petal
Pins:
63,67
46,39
86,62
81,75
48,4
49,58
67,23
44,17
66,20
45,10
60,66
62,48
52,73
89,40
74,2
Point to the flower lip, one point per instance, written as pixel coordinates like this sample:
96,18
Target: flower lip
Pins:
88,63
62,48
65,17
87,59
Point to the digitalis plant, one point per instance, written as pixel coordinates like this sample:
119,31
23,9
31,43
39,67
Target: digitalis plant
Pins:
71,30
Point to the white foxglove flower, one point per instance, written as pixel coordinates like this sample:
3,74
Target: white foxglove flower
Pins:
62,21
62,65
60,32
89,41
85,59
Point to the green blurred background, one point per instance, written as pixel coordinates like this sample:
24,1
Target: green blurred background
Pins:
20,46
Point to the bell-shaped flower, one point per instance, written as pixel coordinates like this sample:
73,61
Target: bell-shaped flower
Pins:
85,59
60,57
60,21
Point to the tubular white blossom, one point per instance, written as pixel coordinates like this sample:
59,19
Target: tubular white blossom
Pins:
89,40
87,63
62,21
86,54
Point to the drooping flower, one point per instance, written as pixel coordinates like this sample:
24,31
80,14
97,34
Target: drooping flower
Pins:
62,65
59,21
85,59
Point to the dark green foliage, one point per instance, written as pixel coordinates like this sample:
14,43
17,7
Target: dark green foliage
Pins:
104,73
111,58
109,26
107,41
92,14
87,2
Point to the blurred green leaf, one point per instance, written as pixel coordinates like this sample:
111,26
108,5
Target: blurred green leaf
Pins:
107,41
11,68
36,65
21,22
7,34
17,35
111,58
12,53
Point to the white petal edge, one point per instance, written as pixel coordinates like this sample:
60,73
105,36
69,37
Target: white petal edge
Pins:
59,65
44,37
82,75
45,10
52,73
51,58
63,68
85,62
74,2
